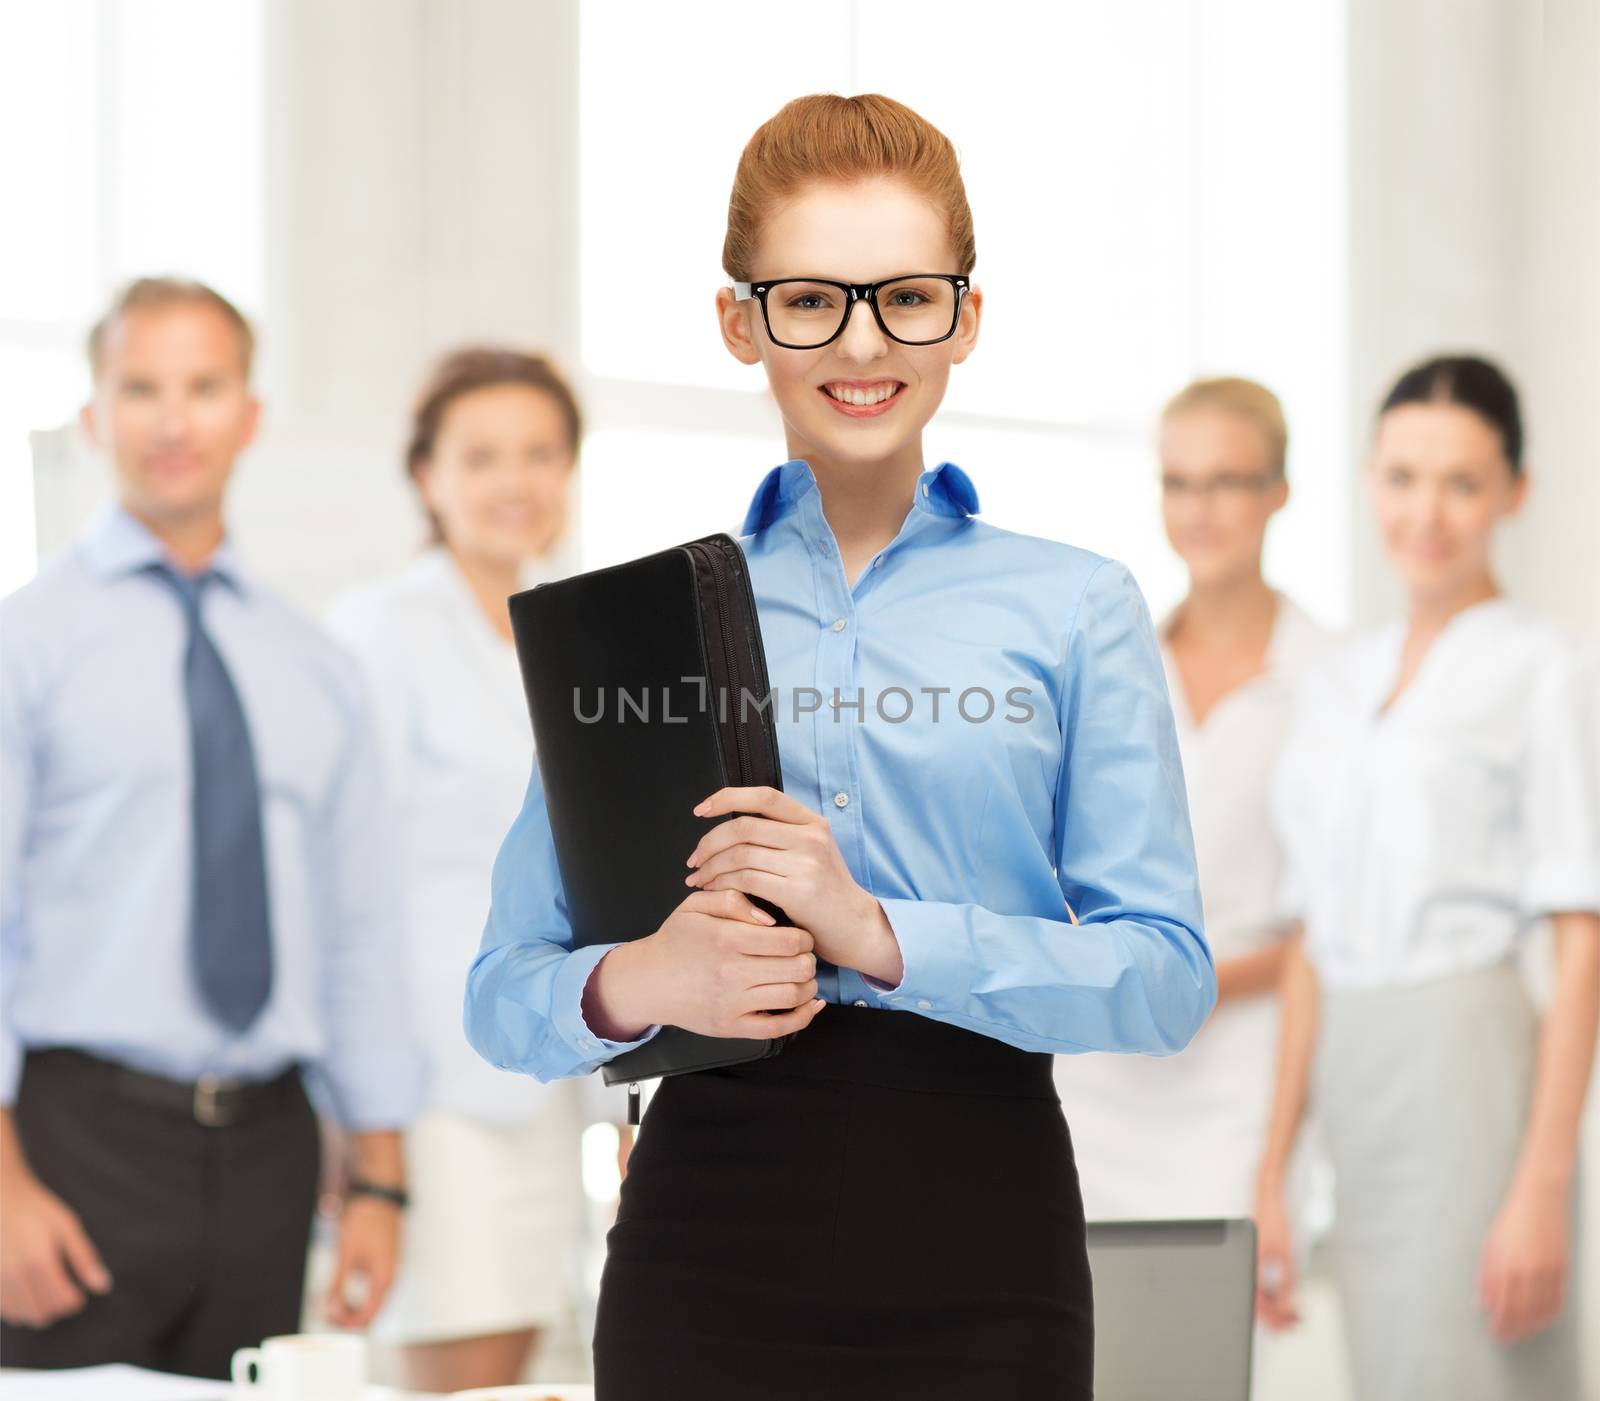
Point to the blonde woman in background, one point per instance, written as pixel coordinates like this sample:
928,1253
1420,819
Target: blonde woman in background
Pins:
1181,1136
496,1195
1439,795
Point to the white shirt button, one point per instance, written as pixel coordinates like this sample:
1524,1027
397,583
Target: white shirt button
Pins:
877,562
841,800
924,488
858,1003
926,1006
838,624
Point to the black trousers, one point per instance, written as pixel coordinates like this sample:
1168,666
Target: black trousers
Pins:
204,1229
888,1208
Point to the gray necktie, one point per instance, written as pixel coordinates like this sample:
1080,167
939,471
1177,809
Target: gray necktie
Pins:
230,932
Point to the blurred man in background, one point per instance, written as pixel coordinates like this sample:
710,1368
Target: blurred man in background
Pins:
194,905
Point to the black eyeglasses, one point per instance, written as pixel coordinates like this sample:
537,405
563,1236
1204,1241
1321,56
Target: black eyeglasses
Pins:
806,313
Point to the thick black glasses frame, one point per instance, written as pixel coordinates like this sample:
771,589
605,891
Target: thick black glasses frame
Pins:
858,292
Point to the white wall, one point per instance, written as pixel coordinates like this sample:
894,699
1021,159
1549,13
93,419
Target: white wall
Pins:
1475,216
1553,331
419,187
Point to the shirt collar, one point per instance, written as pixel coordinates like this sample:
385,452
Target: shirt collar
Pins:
116,543
944,490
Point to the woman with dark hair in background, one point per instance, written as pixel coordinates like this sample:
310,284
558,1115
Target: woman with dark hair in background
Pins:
1439,795
495,1167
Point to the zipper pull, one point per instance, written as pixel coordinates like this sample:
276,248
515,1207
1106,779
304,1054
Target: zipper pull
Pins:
633,1104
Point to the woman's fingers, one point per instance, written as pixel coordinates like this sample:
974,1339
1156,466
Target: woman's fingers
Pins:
740,936
743,856
764,801
762,1026
1496,1288
755,977
1275,1290
1485,1282
777,982
1492,1294
1502,1299
780,997
747,830
727,904
1525,1302
1277,1312
1550,1295
766,884
1515,1311
798,968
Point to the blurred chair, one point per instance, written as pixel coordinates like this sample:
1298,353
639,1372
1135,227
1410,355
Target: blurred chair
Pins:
1174,1309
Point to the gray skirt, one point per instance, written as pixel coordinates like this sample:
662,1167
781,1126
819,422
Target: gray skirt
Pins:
1423,1095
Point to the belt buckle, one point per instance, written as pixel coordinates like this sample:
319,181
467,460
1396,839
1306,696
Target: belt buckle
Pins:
207,1108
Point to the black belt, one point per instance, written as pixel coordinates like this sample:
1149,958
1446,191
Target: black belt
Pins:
215,1101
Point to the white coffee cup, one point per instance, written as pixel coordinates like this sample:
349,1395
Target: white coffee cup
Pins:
304,1367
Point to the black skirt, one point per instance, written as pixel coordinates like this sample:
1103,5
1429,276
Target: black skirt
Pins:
887,1208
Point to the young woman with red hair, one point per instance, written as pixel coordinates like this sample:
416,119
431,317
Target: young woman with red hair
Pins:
982,839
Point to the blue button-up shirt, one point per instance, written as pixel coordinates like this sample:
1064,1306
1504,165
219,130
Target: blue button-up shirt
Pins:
984,720
95,833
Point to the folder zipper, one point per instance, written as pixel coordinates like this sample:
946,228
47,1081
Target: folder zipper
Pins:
733,677
730,655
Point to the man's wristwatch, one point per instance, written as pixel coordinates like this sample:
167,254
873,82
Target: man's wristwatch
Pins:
395,1196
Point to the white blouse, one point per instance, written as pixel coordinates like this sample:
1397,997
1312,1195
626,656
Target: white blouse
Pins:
1428,838
458,744
1132,1117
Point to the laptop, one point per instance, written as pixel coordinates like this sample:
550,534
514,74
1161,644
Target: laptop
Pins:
1174,1309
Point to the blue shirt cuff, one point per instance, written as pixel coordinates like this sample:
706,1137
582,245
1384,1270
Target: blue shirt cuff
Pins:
567,1008
924,975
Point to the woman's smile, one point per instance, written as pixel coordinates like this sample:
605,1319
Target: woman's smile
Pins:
862,398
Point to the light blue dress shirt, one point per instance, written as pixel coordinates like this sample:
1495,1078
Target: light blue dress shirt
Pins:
95,851
974,830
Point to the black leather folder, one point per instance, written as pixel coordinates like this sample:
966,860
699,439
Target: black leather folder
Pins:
636,678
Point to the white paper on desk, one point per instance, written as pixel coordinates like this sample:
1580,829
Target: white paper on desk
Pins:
114,1383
